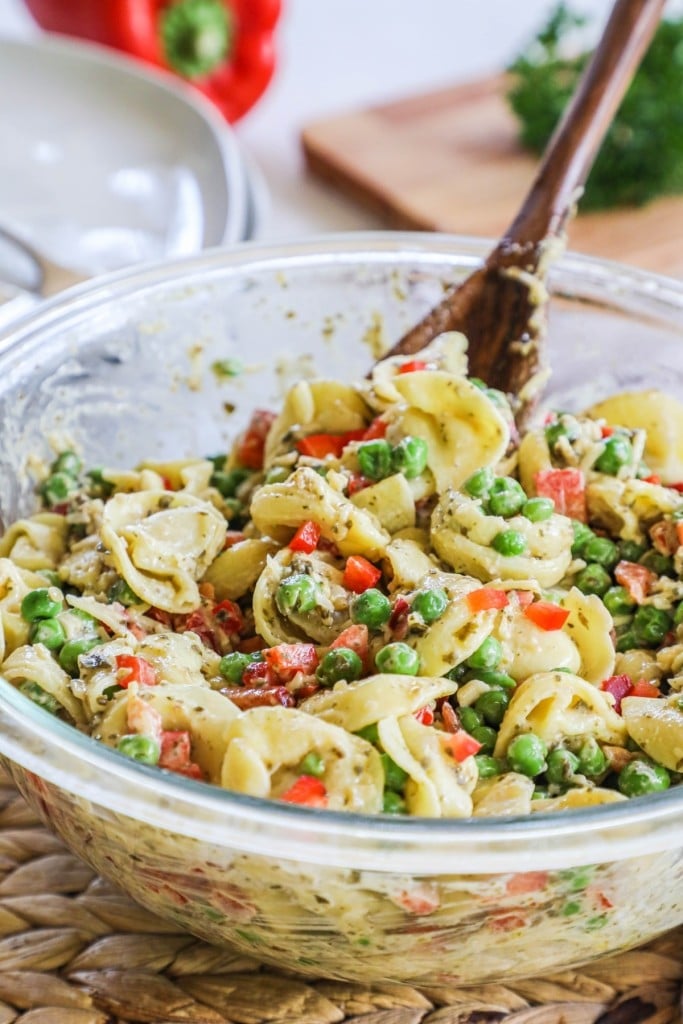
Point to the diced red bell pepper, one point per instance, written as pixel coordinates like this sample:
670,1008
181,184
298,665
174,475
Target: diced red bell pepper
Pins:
359,574
175,754
132,669
251,446
306,537
619,687
526,881
566,488
287,659
653,478
485,598
636,578
546,614
233,537
425,716
606,431
357,639
524,597
644,688
229,616
413,365
377,429
462,745
319,446
358,482
679,533
308,791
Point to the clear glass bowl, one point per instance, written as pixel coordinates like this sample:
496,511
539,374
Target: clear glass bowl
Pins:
122,368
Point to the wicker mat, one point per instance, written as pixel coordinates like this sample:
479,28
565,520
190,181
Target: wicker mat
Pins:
74,950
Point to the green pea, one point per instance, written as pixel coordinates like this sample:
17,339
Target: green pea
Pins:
650,625
374,459
592,761
492,706
140,748
618,601
67,462
79,623
626,641
618,452
52,578
398,659
48,632
602,551
678,614
39,696
509,543
393,803
296,594
561,428
659,563
42,603
395,777
371,608
582,535
277,475
72,650
562,766
487,766
506,497
312,764
629,551
410,457
638,778
97,486
487,655
229,367
227,482
470,719
120,591
479,484
430,604
232,666
493,678
526,754
339,663
593,580
537,510
369,733
57,488
485,735
571,908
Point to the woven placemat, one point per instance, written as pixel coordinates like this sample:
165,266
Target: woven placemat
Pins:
75,950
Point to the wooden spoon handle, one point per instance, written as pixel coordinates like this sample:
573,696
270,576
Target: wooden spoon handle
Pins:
575,142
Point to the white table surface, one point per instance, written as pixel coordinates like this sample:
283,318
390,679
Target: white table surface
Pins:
340,55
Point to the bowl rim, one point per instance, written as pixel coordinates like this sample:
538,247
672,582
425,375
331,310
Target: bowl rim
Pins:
200,811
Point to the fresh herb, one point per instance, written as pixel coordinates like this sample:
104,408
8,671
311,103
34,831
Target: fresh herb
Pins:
640,157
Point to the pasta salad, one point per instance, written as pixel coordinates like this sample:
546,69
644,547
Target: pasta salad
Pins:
381,600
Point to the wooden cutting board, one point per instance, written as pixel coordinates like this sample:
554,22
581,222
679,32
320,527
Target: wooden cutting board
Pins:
449,161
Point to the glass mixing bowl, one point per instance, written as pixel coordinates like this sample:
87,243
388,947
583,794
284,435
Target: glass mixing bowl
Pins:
122,369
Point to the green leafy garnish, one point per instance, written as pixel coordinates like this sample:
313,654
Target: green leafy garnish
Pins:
640,158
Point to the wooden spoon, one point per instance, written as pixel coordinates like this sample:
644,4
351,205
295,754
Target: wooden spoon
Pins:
501,307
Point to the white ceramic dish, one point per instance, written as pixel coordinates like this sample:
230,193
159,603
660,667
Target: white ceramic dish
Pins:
106,164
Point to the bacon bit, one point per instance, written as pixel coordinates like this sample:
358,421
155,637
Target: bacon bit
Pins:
161,616
619,687
251,445
229,616
526,881
329,546
207,590
618,757
251,645
286,660
259,696
142,718
425,716
636,578
233,537
306,791
303,692
449,717
175,754
666,536
398,612
258,672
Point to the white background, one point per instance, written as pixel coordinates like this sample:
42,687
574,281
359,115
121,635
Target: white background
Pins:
340,55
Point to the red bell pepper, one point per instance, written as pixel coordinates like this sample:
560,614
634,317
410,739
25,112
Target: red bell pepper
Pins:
252,443
462,745
131,669
225,48
413,366
319,446
306,537
566,488
546,614
357,639
359,574
307,791
287,659
486,597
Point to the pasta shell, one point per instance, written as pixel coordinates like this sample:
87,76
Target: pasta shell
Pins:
660,415
656,725
274,741
554,705
391,501
533,457
313,407
35,664
235,571
463,428
590,626
580,797
462,535
279,509
15,584
162,542
37,542
505,795
627,508
355,705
